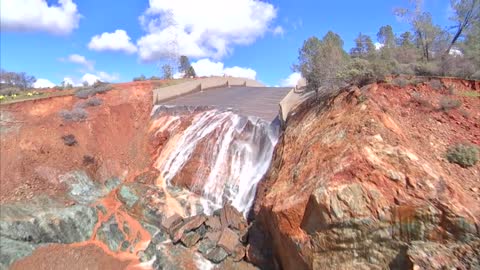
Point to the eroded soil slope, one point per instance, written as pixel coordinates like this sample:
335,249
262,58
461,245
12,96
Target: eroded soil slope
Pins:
109,143
362,182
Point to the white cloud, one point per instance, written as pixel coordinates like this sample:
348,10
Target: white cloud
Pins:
106,77
205,67
278,31
291,80
43,83
179,75
378,45
70,81
116,41
91,78
81,60
37,15
100,76
241,72
200,30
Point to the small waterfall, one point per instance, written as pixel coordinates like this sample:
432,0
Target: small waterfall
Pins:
217,154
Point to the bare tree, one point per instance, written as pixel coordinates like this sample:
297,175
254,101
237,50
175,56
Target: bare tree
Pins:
16,79
426,33
467,12
167,72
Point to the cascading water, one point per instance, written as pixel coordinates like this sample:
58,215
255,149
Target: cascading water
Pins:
217,154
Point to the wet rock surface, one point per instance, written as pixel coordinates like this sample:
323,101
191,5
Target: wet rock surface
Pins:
25,226
202,238
123,218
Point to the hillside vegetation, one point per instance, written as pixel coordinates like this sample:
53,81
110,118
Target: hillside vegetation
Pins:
426,50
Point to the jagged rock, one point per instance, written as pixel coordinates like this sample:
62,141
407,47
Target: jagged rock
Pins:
230,264
46,221
228,240
190,239
328,203
187,225
101,208
445,256
125,245
202,230
112,184
213,222
12,250
159,237
216,255
82,188
25,226
213,236
175,257
169,223
128,196
238,253
243,235
230,217
193,223
206,245
258,250
110,234
176,232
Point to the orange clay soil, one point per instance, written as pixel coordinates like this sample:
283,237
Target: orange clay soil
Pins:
33,155
76,256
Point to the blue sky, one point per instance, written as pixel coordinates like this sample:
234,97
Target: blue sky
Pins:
52,40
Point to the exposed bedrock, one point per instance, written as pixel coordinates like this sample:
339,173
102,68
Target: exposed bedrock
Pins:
356,183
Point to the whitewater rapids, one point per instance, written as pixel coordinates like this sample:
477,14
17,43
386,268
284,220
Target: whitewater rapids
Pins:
217,154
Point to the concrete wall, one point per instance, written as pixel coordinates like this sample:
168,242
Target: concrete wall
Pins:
293,99
170,92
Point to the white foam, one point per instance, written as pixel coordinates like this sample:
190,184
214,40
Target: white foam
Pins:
237,152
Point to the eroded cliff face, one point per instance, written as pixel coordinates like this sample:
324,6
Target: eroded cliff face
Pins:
360,181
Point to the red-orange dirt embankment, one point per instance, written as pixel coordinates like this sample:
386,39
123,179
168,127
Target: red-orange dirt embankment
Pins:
110,142
363,181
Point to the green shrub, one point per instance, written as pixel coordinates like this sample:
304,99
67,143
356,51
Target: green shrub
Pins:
436,84
476,75
451,90
417,98
92,102
406,69
416,81
447,104
139,79
100,87
9,90
456,66
84,93
400,82
97,88
69,140
75,115
358,72
427,69
465,155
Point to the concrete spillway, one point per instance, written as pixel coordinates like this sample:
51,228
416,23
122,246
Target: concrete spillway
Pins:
261,102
